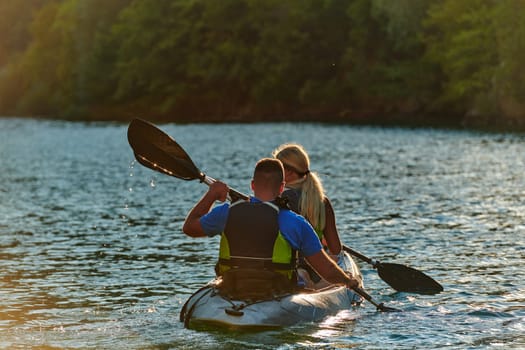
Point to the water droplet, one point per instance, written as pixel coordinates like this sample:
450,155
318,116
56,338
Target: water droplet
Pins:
152,183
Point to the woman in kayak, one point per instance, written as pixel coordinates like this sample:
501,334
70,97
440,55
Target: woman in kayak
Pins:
305,194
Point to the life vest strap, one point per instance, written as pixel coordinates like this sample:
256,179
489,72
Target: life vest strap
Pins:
254,284
256,263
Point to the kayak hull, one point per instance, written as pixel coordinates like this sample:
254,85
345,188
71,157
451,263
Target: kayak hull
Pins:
207,308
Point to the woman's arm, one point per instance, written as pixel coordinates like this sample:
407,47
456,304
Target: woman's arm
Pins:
330,229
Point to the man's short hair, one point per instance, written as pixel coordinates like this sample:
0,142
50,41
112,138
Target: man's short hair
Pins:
269,172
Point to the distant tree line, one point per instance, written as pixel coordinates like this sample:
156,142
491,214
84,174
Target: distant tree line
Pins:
429,62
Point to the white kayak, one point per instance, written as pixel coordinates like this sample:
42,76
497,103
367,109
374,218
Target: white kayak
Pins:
207,308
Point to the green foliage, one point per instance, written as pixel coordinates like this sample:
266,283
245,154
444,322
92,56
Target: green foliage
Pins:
510,34
479,46
231,55
252,59
57,73
14,26
461,40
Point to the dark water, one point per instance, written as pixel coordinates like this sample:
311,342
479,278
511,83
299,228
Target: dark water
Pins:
92,255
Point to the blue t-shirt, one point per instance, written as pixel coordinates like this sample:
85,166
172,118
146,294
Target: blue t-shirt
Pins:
294,228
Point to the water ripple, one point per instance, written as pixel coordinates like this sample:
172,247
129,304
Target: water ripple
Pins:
92,254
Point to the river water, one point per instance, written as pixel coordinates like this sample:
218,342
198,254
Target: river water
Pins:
92,255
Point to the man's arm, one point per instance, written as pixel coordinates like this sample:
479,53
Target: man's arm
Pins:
330,271
218,191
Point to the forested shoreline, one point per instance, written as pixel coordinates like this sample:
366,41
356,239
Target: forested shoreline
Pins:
404,62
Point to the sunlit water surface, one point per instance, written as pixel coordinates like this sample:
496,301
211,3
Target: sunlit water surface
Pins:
92,255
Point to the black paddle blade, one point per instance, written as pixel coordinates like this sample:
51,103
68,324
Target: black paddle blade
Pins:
158,151
406,279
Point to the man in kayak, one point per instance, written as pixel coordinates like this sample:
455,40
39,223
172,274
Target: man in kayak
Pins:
259,240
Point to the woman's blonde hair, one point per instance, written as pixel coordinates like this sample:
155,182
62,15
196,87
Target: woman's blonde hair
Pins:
311,205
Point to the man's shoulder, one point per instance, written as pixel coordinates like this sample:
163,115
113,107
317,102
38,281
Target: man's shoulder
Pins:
291,217
298,232
285,212
221,209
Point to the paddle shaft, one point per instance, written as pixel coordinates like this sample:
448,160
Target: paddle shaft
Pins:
379,306
359,255
234,194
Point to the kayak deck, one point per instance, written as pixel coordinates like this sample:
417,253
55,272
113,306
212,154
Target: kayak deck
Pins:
206,308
